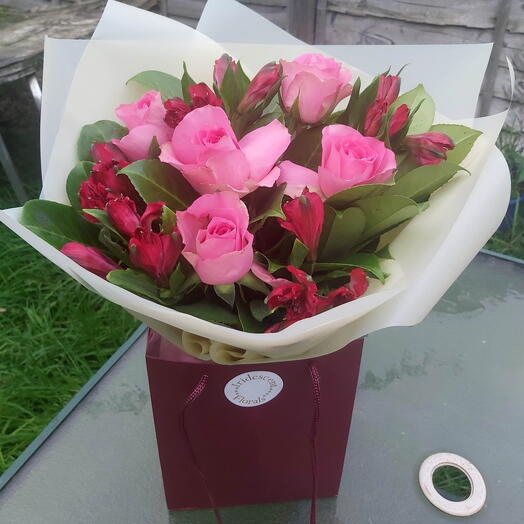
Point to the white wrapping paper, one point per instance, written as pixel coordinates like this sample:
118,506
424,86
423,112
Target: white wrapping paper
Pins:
429,253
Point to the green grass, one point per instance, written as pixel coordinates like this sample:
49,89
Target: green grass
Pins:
54,336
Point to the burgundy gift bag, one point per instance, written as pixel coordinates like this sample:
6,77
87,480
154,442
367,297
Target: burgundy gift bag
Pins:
251,433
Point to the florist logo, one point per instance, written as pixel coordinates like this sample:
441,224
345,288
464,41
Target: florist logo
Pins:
253,389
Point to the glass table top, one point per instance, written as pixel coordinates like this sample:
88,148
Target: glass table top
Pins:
453,383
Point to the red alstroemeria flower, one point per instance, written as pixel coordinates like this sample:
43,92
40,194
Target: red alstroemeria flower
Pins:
202,96
89,258
156,253
220,68
301,300
357,286
429,148
304,218
103,184
176,110
151,218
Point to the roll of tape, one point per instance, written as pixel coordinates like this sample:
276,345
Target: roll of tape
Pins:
464,508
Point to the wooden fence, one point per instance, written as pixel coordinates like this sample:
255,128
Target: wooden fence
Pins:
405,22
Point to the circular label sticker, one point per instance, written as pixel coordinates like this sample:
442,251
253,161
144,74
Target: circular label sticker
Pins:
254,388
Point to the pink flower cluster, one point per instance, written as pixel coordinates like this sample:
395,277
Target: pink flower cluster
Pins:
233,152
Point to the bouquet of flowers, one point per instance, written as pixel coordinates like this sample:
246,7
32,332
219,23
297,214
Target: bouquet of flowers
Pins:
274,204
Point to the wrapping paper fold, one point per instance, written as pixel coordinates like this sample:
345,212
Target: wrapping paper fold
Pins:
430,252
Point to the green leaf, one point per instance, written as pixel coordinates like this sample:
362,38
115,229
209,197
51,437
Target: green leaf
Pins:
176,280
250,281
423,119
114,247
259,309
101,131
169,86
156,181
367,261
385,212
190,283
232,89
185,82
342,230
103,218
58,224
298,253
265,202
248,322
154,149
463,137
168,220
419,183
209,311
343,199
384,253
80,173
136,282
343,118
226,292
306,148
357,114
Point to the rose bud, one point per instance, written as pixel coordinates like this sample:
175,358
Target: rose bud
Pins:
374,117
260,86
304,218
176,110
220,68
388,88
398,119
202,96
319,84
216,240
89,258
155,253
429,148
122,214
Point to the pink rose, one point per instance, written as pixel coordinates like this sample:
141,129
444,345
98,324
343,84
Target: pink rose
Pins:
351,159
297,178
215,236
205,150
145,120
320,83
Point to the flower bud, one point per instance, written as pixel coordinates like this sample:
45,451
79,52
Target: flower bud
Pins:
388,88
202,96
260,86
122,214
398,119
220,68
89,258
429,148
304,218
